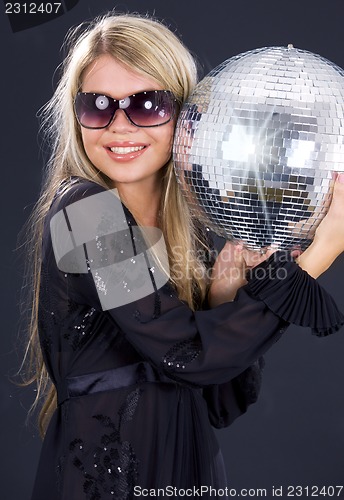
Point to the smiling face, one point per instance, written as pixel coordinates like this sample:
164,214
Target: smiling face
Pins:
122,151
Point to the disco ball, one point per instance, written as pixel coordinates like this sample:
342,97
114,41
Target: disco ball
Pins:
257,143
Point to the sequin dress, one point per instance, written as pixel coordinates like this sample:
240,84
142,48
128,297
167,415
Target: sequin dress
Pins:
141,385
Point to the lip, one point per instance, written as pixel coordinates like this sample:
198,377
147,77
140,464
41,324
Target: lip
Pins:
123,157
124,144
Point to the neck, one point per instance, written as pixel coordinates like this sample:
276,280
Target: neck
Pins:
142,199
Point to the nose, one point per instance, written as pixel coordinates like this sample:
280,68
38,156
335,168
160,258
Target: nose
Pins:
121,123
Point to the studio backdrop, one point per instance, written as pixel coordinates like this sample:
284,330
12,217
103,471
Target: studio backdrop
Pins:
294,435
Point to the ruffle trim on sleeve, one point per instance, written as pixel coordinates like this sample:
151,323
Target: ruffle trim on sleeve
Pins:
292,294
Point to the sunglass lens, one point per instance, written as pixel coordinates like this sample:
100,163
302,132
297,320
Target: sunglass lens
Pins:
93,110
149,109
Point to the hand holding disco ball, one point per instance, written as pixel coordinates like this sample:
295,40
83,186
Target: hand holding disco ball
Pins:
257,145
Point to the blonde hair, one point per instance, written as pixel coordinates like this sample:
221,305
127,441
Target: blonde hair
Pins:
148,48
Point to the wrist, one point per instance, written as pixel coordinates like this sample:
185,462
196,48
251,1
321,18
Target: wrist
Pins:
224,290
318,257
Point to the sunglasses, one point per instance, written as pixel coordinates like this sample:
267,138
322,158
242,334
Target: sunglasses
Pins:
151,108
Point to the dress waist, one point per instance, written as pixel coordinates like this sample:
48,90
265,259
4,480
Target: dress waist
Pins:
116,378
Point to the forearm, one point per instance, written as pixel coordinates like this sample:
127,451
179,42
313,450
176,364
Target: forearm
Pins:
328,242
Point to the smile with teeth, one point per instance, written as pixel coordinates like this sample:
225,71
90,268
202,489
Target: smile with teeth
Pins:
125,150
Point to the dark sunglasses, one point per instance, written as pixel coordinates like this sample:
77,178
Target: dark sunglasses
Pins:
151,108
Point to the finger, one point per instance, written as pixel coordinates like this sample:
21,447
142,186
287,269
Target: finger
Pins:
252,257
338,194
296,251
238,247
339,181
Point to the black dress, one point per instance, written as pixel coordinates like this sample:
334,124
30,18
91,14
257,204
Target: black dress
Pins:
140,385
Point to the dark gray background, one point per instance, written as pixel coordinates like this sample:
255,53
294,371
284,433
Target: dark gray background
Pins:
295,434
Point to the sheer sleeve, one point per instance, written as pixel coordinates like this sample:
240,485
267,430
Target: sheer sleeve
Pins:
294,295
200,348
230,400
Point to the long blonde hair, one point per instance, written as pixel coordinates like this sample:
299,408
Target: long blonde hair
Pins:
149,48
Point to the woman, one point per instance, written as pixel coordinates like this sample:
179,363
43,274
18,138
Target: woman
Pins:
132,382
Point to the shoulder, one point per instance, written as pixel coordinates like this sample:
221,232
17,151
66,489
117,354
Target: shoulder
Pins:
71,191
86,209
74,189
73,194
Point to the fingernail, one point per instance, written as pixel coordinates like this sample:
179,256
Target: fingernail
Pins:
334,175
340,178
